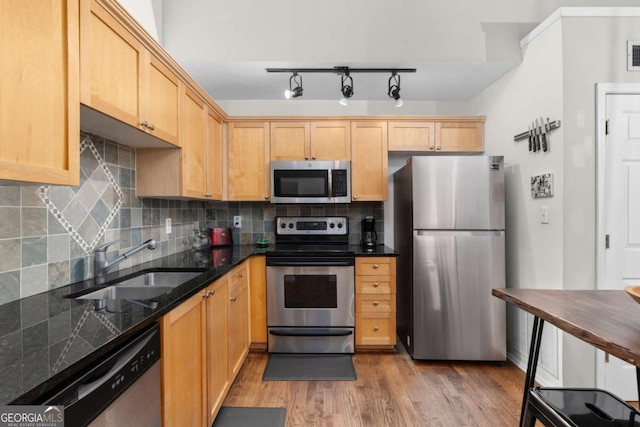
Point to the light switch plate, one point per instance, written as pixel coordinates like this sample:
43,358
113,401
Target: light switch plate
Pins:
167,225
544,215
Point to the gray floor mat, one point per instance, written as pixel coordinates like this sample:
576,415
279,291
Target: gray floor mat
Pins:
230,416
309,367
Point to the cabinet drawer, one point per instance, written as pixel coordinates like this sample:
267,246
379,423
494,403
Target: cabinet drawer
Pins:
238,278
377,303
375,329
375,285
376,266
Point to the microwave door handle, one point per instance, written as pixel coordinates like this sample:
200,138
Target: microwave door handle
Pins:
330,183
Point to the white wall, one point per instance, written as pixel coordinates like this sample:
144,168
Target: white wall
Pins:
301,107
148,13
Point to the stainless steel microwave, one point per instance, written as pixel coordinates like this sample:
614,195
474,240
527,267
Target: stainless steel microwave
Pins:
311,181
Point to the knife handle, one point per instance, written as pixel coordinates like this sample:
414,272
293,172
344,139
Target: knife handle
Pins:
544,142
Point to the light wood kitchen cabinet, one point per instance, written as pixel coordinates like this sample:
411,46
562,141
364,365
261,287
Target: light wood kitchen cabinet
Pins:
39,101
204,343
437,136
194,147
193,171
183,363
459,137
258,301
238,317
369,161
217,351
122,79
375,302
248,161
330,140
412,136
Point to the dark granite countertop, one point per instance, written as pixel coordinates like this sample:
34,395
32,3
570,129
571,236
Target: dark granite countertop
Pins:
47,338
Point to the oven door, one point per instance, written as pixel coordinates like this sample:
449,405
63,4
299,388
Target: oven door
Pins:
310,308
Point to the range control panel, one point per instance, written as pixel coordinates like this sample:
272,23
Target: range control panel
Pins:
299,226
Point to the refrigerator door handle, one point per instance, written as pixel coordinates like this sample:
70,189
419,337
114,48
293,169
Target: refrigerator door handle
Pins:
473,233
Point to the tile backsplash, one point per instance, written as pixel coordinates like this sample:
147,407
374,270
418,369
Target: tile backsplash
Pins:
47,233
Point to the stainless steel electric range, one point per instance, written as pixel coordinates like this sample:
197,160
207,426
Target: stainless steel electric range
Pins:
310,286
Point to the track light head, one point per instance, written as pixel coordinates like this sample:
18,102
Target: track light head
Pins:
294,92
394,88
346,88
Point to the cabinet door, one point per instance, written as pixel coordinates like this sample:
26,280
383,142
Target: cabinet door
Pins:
290,141
183,367
248,159
238,318
412,136
258,300
162,99
214,166
460,137
110,65
331,141
217,346
39,100
193,145
369,180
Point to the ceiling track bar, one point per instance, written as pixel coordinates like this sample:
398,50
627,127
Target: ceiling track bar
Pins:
341,70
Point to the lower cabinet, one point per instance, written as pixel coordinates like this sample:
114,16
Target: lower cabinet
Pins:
204,343
375,302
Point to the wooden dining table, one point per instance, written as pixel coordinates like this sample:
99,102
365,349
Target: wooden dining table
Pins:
607,319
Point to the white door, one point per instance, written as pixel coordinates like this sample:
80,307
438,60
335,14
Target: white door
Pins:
622,219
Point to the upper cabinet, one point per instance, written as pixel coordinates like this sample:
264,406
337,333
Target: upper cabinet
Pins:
193,171
248,161
39,100
462,137
369,163
455,134
122,79
330,140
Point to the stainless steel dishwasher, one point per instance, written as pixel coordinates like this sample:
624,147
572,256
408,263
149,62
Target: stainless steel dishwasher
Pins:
123,389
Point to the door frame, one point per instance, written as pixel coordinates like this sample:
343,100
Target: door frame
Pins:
602,90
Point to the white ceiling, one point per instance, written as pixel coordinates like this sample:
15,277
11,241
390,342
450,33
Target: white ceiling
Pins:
459,47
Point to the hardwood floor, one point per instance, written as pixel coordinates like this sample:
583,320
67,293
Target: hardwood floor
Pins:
391,390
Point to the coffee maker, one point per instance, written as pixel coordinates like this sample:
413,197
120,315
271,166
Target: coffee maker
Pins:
369,235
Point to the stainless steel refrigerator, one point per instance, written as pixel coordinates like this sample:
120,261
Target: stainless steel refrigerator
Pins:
449,233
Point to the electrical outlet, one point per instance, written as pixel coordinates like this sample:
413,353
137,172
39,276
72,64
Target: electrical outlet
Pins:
544,215
237,221
167,225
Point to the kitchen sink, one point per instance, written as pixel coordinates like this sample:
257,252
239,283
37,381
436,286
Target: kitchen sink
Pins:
144,286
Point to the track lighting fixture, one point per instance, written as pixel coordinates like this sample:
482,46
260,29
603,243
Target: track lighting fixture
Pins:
346,89
297,91
394,88
346,80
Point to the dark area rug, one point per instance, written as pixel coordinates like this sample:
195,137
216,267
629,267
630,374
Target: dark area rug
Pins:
309,367
230,416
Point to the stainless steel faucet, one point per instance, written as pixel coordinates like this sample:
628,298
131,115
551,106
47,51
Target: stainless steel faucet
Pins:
100,264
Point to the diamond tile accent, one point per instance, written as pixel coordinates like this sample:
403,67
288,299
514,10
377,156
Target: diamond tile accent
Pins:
87,213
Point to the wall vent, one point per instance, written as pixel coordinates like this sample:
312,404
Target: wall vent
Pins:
633,55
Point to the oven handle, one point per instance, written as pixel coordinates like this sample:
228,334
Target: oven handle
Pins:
310,262
310,332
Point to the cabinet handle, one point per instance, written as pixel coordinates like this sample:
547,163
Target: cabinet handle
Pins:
376,303
233,299
206,294
375,266
375,329
432,147
266,197
144,124
314,157
151,126
240,275
439,147
355,197
306,158
375,285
